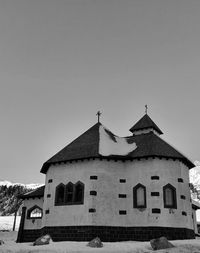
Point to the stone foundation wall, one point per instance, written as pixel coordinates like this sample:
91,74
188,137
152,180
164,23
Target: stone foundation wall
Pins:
112,234
108,234
30,235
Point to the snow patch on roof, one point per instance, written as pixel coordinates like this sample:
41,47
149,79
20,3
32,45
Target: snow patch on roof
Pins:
110,144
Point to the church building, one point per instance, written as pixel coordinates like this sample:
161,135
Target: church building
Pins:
116,188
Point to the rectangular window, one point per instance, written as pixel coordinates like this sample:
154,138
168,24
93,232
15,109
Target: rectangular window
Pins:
48,195
50,180
155,194
93,177
92,210
182,197
122,212
93,193
122,195
180,180
155,178
156,210
122,180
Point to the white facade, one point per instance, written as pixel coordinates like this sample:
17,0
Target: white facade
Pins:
30,203
108,187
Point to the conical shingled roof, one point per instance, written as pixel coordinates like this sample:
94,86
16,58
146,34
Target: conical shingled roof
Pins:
151,145
85,146
144,123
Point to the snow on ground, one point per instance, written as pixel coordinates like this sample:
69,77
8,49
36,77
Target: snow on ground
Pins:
111,144
6,223
10,246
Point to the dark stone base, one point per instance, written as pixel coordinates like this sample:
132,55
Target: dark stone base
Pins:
108,234
30,235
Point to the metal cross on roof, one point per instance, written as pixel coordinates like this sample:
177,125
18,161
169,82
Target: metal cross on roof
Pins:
146,108
98,115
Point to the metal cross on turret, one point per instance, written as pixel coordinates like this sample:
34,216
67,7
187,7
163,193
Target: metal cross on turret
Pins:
98,115
146,108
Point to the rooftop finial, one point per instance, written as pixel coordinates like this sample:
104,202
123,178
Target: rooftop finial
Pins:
98,115
146,108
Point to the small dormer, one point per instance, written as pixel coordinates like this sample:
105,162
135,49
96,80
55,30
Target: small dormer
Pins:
145,125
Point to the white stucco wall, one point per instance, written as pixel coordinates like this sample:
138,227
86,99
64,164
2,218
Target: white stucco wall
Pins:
107,203
33,223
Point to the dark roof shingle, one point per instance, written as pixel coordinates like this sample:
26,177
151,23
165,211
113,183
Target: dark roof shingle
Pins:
87,146
39,192
144,123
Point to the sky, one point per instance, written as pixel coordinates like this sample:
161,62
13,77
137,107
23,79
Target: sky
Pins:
63,60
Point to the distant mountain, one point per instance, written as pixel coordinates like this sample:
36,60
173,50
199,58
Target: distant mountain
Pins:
9,203
28,186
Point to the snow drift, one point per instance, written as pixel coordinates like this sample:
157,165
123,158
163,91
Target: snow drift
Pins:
110,144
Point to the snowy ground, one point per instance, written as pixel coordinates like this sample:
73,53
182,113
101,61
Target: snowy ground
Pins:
10,246
6,223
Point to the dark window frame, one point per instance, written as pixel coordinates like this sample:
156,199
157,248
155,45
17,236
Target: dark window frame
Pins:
180,180
174,200
69,193
72,193
155,194
81,201
135,204
122,196
93,193
155,177
93,177
122,180
57,193
29,211
156,210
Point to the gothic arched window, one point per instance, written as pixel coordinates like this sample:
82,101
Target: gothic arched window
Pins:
169,196
139,196
60,194
34,212
69,193
79,192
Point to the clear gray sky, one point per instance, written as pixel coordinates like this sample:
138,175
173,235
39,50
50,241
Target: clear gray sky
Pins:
62,60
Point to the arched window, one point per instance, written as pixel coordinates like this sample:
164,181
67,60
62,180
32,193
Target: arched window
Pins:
60,194
139,196
79,192
69,193
169,196
34,212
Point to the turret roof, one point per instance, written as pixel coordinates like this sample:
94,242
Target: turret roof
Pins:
144,123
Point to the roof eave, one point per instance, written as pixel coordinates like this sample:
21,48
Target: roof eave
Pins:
132,129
